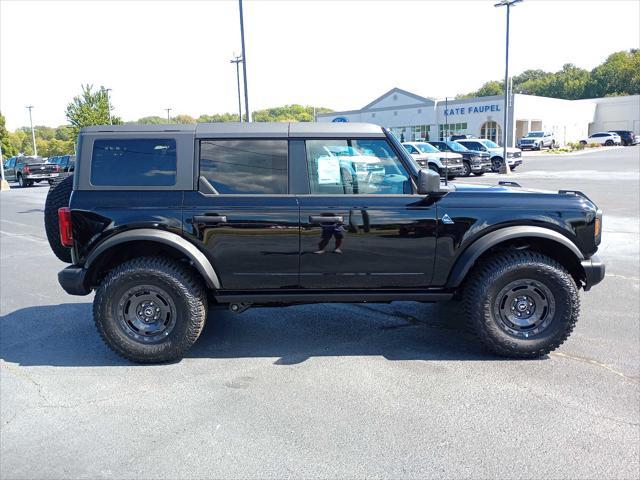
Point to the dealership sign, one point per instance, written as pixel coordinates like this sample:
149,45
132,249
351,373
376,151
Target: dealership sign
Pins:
472,109
340,120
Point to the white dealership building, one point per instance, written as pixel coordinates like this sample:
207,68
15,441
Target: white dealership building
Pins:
412,117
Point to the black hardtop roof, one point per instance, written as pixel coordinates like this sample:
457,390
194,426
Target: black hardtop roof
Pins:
252,130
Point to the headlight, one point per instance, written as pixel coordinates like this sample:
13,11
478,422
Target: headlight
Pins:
510,154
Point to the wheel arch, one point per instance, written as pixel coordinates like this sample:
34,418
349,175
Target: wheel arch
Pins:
540,239
126,245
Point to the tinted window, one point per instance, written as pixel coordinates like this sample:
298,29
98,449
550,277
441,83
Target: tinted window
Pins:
245,166
134,162
411,149
348,167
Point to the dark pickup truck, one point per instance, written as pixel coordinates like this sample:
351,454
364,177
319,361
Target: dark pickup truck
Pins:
166,222
29,170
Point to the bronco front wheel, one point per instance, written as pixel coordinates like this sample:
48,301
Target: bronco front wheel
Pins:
150,309
521,304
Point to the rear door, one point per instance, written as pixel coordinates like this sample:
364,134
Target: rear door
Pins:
242,214
361,224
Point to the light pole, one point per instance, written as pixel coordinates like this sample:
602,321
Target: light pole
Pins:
238,60
107,90
168,115
244,65
505,126
33,132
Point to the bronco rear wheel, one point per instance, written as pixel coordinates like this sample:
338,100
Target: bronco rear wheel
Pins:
150,309
521,304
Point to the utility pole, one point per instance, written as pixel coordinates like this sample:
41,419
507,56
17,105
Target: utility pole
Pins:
107,90
238,60
168,115
505,127
244,65
33,132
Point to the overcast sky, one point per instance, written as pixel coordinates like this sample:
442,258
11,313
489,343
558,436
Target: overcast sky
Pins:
338,54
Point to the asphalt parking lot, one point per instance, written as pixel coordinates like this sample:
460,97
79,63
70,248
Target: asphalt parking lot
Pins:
326,391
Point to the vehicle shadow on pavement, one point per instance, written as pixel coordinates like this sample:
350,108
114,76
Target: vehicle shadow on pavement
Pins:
64,335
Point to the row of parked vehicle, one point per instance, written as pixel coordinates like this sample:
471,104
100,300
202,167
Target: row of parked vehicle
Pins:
463,156
27,170
537,140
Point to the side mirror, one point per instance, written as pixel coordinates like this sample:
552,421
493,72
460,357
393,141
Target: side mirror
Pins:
428,182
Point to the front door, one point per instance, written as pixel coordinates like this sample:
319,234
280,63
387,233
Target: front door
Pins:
361,224
243,216
10,170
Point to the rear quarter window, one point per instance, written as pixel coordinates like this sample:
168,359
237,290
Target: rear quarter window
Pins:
134,162
241,167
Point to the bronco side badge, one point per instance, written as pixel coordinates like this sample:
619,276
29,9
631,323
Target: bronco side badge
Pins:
446,219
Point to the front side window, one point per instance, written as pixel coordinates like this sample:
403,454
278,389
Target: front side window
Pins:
355,167
135,162
245,167
427,148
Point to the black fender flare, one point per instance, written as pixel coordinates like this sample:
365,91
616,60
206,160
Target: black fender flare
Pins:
200,261
467,258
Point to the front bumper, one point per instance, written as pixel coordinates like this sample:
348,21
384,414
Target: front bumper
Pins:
594,270
72,280
453,169
514,162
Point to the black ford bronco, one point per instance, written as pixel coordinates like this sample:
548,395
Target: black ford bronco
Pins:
164,222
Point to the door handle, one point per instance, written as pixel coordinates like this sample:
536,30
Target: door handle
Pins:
209,219
323,219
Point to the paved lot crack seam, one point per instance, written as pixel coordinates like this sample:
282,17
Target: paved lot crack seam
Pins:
596,363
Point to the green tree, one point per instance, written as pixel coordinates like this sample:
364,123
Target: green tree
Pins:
183,119
152,120
8,148
90,108
218,117
619,74
288,113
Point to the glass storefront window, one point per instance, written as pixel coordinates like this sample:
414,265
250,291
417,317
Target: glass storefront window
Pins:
491,131
446,130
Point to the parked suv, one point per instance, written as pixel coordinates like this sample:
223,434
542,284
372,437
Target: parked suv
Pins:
537,140
627,137
165,222
29,170
608,139
474,162
495,151
443,163
67,163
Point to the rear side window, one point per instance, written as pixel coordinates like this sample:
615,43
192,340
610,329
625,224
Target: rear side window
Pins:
245,166
139,162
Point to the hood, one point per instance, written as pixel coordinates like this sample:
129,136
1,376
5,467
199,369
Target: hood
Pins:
449,155
509,150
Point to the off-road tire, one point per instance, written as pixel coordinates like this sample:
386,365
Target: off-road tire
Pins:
496,163
57,197
490,276
185,290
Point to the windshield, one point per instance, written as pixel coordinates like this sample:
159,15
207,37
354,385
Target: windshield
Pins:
456,147
426,148
535,134
489,143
